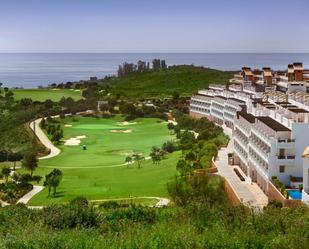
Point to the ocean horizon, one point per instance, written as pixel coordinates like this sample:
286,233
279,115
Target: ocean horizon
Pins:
30,70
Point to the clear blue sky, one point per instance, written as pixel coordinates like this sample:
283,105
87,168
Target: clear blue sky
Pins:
154,25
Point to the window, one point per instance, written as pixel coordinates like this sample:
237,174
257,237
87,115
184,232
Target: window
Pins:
281,168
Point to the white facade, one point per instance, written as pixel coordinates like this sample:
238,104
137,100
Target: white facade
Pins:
269,137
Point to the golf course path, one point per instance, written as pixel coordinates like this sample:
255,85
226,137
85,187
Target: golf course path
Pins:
161,201
53,150
92,167
29,195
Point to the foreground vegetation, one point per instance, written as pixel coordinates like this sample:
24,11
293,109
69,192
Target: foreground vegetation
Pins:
205,221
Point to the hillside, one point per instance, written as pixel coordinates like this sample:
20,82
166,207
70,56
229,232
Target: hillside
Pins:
183,79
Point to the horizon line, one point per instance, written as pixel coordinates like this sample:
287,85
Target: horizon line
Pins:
153,52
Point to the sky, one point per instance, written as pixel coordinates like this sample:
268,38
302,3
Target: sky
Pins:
154,26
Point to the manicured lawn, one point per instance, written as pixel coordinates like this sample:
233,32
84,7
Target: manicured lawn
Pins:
44,94
98,172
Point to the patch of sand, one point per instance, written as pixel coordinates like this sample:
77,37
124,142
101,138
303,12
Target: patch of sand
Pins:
74,141
121,131
81,137
56,89
127,123
126,153
173,122
67,125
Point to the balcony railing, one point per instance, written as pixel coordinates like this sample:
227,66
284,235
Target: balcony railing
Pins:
286,157
281,140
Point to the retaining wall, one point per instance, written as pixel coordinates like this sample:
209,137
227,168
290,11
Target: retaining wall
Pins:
275,195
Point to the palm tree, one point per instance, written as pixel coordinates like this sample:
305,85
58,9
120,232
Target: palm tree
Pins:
128,160
138,158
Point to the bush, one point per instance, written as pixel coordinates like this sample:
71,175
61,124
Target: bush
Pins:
70,216
109,204
133,213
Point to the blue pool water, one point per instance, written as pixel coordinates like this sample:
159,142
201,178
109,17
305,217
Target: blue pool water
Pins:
295,194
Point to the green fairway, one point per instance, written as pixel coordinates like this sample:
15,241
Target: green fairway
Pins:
99,172
44,94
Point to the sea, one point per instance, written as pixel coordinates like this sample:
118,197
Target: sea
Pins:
31,70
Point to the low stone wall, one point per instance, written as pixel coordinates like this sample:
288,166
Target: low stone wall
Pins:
231,193
275,195
197,115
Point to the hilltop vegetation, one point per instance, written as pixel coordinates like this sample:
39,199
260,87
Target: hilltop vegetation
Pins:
183,79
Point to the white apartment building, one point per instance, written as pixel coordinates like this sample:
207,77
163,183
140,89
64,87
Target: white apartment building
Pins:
269,136
218,105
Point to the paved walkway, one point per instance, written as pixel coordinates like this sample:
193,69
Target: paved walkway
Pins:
54,151
29,195
249,193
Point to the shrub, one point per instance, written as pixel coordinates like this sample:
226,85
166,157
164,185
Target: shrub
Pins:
133,213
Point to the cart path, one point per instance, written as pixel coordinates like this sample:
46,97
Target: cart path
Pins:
53,150
26,198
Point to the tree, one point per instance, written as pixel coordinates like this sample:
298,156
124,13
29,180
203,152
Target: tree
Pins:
138,158
6,171
14,157
170,126
190,156
128,161
184,168
52,180
156,155
30,162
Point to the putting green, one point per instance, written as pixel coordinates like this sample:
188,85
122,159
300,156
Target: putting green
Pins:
99,172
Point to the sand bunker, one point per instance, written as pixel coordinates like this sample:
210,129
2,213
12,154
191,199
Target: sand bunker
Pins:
127,123
74,141
172,122
121,131
67,125
80,137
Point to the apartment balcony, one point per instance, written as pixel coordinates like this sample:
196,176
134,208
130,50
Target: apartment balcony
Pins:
243,130
262,168
286,160
259,150
241,156
261,135
286,143
242,143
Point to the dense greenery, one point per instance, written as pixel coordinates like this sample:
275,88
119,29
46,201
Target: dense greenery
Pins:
164,82
199,140
207,222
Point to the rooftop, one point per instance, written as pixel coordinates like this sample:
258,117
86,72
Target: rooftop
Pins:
249,117
273,124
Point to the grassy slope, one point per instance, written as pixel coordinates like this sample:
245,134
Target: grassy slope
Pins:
43,94
98,173
184,79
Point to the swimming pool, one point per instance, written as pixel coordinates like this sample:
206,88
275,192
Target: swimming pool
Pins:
295,194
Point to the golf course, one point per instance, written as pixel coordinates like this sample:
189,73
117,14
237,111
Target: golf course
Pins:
99,171
46,93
